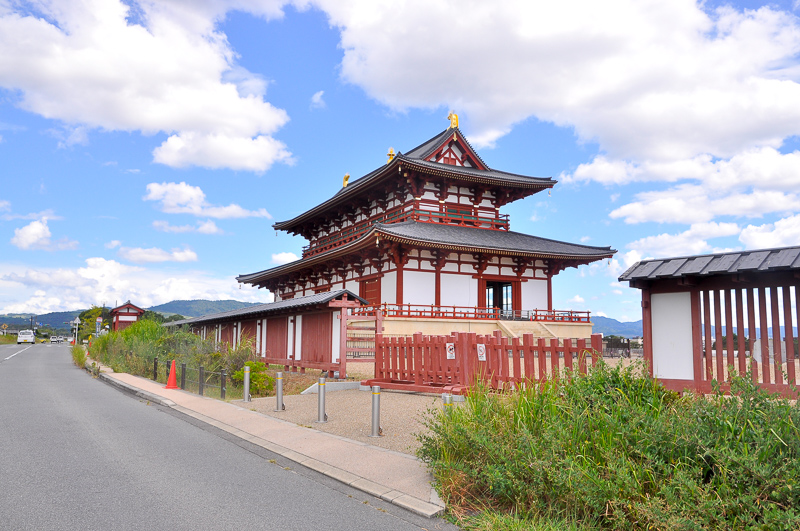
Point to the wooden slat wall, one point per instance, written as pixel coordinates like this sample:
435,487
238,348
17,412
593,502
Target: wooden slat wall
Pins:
744,311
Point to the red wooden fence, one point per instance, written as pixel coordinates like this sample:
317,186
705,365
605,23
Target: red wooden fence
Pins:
453,363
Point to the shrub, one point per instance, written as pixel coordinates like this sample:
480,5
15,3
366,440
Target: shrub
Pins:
78,356
260,382
617,449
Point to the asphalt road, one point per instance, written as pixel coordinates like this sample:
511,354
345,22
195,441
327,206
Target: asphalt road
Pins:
78,454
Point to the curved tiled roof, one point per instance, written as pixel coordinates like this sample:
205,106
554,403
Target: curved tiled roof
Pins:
453,237
271,307
715,264
415,159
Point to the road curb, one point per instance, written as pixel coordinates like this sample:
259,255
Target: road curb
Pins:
135,391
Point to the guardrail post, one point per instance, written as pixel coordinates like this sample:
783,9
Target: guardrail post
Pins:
377,431
155,368
447,399
246,390
183,376
200,380
222,376
321,415
279,405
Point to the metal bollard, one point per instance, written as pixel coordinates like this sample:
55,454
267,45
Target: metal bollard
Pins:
377,431
222,386
200,380
183,376
447,398
279,405
321,415
155,369
246,384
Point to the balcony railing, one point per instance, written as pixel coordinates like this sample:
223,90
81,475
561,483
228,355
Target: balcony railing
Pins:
468,312
404,213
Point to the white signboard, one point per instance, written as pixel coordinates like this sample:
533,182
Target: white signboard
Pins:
451,351
481,352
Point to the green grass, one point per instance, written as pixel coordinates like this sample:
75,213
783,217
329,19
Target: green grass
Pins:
78,356
7,339
615,450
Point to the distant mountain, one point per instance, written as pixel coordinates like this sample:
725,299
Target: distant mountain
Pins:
197,308
53,319
608,327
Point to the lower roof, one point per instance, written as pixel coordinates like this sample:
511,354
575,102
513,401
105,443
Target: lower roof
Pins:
784,258
272,307
448,237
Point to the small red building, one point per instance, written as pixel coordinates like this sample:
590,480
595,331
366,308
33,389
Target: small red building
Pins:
125,315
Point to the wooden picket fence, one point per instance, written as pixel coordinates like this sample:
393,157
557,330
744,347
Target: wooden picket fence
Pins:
454,363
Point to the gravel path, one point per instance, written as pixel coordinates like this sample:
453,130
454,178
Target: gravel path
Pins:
350,415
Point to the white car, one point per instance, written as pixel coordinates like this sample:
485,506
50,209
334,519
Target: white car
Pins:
25,336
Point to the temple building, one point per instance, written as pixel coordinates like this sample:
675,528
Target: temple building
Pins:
423,237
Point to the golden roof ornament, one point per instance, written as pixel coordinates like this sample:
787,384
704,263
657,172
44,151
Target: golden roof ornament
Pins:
344,181
453,117
390,155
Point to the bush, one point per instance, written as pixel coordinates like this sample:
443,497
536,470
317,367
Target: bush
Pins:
616,449
260,382
78,356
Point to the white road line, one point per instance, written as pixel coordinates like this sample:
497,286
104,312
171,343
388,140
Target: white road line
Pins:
14,354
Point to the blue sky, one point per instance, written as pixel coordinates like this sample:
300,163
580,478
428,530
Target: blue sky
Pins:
147,147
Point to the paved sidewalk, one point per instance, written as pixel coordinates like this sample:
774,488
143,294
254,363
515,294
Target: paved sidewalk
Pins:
400,479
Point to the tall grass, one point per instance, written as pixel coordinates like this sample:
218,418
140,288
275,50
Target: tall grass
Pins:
133,349
78,355
614,449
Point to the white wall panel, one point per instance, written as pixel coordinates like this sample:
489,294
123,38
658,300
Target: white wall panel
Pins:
459,290
534,295
389,288
419,287
672,335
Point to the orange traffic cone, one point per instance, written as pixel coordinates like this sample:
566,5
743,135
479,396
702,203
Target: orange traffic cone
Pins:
172,381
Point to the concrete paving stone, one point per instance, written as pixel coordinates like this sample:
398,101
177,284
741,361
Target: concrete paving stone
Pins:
370,487
417,506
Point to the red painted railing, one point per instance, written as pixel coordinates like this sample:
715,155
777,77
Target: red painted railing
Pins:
467,312
404,213
456,362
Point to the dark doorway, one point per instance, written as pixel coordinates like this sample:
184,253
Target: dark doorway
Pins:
500,295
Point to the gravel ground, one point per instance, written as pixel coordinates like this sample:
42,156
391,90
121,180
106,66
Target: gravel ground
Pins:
350,415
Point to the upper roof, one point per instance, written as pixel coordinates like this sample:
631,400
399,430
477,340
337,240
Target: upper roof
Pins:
416,159
273,307
715,264
127,304
444,236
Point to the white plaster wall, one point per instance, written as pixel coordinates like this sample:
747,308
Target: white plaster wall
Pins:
534,295
336,328
289,336
419,287
298,334
459,290
672,335
352,285
389,288
127,318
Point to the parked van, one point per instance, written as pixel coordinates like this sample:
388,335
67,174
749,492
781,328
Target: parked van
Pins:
26,336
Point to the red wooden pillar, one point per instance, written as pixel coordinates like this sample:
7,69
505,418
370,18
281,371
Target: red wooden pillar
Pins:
399,285
437,297
549,290
647,330
697,339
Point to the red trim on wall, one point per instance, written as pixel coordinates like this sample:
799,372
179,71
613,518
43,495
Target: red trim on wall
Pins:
647,330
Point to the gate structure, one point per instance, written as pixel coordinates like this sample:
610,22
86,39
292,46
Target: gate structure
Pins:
456,362
709,317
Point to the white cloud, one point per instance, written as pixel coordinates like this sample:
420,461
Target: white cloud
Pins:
284,258
101,281
182,198
316,100
96,64
113,244
577,299
690,242
204,227
5,205
36,235
782,233
154,254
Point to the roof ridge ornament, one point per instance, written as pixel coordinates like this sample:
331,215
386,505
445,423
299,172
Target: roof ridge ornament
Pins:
390,155
453,117
345,179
